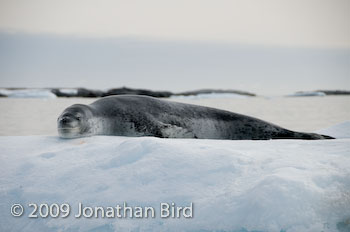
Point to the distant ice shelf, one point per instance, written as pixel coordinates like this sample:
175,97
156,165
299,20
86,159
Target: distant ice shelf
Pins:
210,96
308,94
27,93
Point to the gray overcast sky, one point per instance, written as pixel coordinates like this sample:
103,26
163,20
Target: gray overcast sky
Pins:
223,44
323,23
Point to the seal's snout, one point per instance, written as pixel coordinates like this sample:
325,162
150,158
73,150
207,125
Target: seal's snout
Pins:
65,120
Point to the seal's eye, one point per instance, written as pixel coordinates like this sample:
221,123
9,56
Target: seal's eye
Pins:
78,118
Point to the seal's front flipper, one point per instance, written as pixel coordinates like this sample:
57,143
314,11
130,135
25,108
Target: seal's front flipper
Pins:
173,131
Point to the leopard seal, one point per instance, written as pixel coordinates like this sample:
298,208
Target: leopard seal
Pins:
134,115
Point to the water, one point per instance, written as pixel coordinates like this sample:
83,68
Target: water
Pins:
38,116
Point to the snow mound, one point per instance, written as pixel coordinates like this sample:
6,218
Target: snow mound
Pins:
341,130
278,185
69,91
308,94
28,93
209,96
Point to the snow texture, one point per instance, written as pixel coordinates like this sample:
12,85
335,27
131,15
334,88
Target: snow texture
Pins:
276,185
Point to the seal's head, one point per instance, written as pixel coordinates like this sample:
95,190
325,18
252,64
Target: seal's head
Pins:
75,122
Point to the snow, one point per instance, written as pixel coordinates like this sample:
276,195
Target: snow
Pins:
308,94
69,91
209,96
276,185
341,130
28,93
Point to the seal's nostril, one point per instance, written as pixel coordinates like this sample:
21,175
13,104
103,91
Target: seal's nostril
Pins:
64,120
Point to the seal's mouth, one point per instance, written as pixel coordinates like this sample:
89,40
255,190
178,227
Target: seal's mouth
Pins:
69,132
69,129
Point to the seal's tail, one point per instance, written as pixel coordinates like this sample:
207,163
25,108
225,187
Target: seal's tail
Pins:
313,136
300,135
